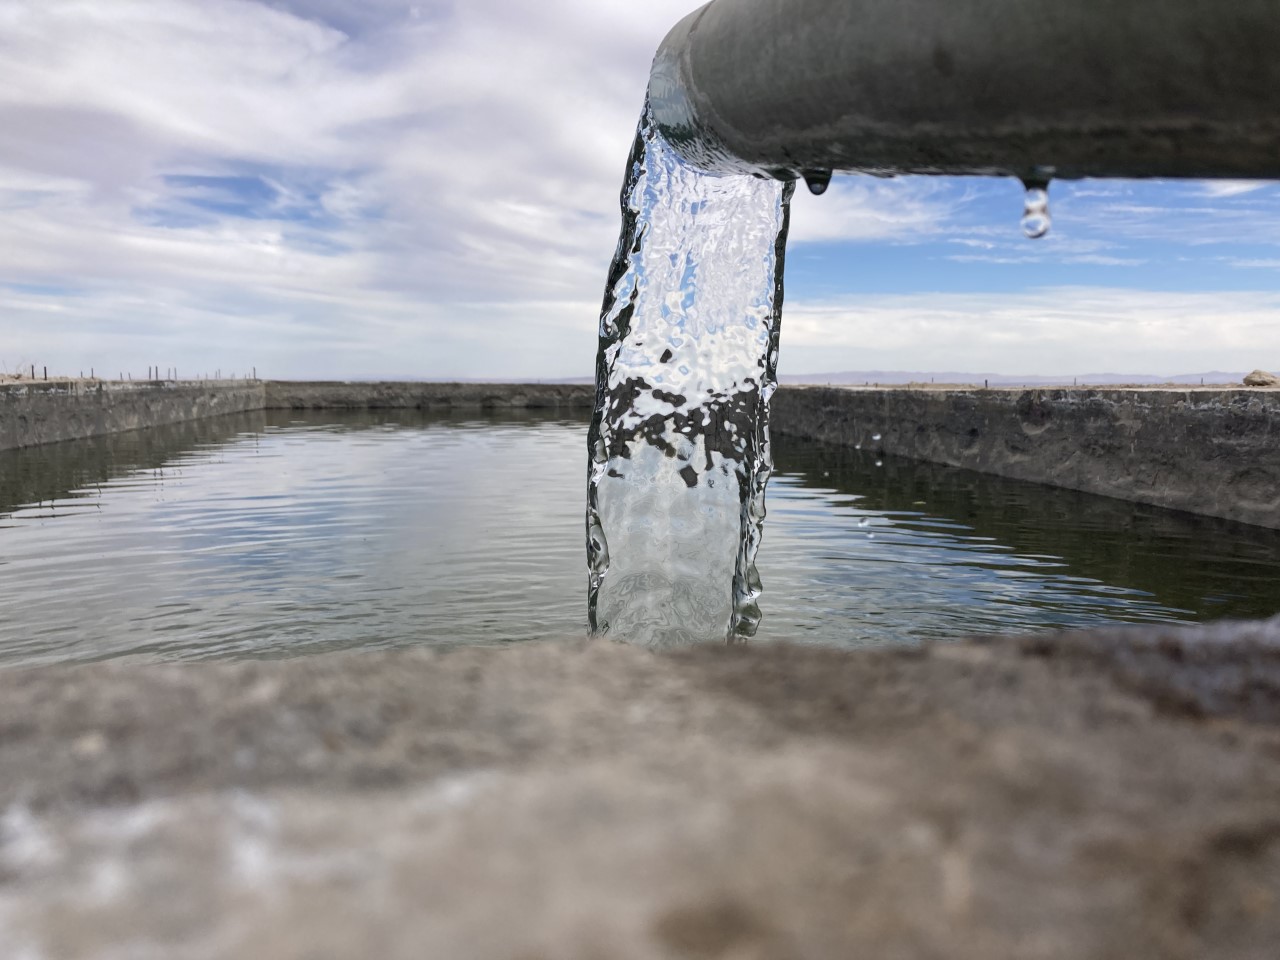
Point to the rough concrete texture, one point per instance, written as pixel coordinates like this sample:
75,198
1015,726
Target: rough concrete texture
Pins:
1208,451
296,395
34,411
1104,795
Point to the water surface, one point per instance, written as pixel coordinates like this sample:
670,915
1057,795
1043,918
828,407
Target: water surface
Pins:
268,534
280,534
890,549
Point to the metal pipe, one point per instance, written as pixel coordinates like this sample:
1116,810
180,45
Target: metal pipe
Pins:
1031,88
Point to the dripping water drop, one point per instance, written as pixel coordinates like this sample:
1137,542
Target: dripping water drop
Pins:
1035,214
817,181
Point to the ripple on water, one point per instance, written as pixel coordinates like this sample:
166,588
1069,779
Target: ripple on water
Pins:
244,537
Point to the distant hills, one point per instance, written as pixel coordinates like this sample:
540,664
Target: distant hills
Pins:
1006,380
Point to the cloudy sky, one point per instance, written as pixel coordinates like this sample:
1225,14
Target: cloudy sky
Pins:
361,188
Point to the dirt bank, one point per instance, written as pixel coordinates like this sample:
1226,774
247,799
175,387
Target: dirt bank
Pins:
1098,795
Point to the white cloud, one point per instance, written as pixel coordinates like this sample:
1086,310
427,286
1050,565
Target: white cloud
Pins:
360,187
862,208
1265,263
1239,218
1044,332
1218,189
425,167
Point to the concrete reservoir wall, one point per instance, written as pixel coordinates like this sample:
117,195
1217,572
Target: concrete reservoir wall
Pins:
35,411
326,395
1208,451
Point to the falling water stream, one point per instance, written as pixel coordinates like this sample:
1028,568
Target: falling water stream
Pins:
679,442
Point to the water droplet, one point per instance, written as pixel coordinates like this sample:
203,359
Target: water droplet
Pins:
1035,215
875,436
817,181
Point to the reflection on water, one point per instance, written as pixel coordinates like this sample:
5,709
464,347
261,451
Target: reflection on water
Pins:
283,533
907,550
290,536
